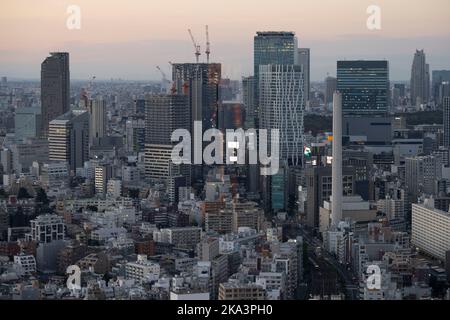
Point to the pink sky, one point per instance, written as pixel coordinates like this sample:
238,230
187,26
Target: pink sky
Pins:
129,38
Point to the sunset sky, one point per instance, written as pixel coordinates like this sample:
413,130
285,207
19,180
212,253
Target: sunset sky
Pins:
128,39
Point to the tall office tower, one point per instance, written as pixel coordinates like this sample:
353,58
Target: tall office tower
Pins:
55,88
68,138
200,82
97,113
364,86
446,121
420,79
330,88
438,77
303,59
337,190
248,90
273,47
163,115
281,107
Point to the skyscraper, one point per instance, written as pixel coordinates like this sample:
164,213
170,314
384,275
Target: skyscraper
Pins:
97,112
303,59
200,83
330,88
439,76
282,106
446,121
364,86
163,115
55,88
420,79
68,138
272,47
248,93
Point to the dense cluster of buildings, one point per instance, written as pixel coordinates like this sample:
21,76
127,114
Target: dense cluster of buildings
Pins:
88,180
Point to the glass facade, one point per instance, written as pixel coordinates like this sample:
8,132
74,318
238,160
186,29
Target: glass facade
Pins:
273,48
364,86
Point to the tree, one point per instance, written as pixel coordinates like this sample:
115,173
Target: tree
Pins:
133,193
23,194
41,196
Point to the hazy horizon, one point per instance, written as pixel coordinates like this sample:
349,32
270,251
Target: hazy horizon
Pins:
128,40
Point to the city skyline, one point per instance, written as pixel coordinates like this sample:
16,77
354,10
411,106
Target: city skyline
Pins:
104,47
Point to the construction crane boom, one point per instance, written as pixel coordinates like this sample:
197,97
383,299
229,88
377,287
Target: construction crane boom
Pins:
196,46
208,49
165,81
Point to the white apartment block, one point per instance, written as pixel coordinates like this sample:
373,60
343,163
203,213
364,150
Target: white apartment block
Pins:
27,263
431,230
142,270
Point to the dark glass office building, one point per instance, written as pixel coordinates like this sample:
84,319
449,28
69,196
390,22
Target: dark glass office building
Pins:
273,47
55,88
364,86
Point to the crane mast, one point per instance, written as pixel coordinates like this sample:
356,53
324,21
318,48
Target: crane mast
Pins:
196,46
208,49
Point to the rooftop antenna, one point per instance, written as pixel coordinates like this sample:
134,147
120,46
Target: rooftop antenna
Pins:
196,46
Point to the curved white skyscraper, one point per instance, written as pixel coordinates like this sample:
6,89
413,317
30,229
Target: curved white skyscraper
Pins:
281,102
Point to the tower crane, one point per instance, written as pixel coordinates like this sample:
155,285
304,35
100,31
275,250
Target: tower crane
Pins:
165,82
85,94
196,46
208,49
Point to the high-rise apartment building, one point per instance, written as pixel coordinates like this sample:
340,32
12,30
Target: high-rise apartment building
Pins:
420,79
97,112
431,230
364,86
68,138
55,88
